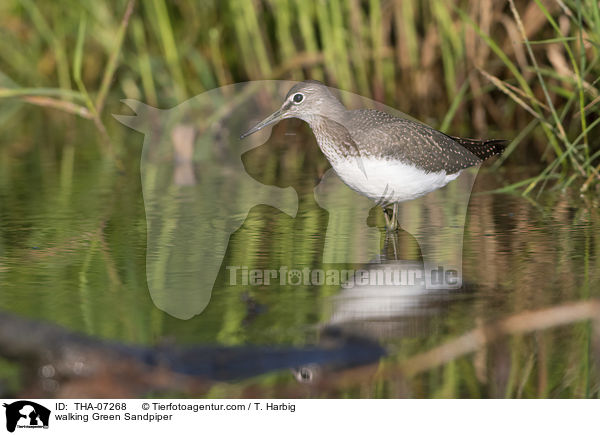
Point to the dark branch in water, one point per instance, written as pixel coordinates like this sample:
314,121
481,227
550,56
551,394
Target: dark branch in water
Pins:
61,363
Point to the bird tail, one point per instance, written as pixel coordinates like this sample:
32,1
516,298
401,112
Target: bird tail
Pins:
483,149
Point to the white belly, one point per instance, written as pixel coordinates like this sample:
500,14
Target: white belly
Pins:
386,181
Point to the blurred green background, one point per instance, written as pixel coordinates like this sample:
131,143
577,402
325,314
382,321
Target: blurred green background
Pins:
72,222
523,70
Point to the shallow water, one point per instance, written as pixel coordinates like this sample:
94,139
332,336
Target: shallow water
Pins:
80,248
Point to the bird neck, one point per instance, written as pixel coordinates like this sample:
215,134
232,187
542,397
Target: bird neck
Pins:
325,108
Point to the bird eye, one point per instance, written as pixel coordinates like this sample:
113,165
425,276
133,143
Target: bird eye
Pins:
298,98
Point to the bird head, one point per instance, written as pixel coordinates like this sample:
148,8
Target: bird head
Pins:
305,100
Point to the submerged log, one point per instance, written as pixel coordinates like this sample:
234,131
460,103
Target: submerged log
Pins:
59,363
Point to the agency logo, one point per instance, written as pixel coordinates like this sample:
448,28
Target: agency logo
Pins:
25,414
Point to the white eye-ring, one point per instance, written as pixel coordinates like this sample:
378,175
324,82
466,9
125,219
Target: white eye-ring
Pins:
297,98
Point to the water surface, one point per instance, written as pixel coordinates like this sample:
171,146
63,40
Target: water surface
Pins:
74,252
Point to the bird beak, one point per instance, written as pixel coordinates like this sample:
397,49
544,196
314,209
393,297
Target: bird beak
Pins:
271,119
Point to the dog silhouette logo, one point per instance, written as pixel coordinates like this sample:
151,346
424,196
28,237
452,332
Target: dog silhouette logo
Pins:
197,192
26,414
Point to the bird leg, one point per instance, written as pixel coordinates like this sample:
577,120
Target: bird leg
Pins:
395,212
387,217
390,245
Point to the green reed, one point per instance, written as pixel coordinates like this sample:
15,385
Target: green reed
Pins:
468,67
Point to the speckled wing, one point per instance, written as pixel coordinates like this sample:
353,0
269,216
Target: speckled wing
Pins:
380,134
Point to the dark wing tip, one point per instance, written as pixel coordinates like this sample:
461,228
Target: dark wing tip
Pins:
483,149
499,145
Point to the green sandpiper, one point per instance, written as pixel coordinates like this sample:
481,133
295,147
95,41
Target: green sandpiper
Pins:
388,159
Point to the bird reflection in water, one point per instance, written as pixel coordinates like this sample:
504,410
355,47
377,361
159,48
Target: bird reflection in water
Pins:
384,302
